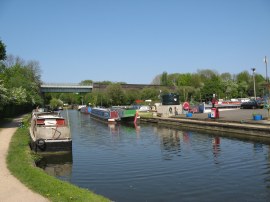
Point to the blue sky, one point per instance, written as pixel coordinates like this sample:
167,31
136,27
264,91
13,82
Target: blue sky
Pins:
134,40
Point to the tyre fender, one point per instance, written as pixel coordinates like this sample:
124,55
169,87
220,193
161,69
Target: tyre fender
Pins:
41,144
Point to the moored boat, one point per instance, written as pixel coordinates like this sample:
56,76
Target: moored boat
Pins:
105,114
80,107
127,114
85,110
49,132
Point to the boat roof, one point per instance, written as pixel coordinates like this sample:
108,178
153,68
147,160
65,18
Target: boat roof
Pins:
49,117
123,107
46,115
101,109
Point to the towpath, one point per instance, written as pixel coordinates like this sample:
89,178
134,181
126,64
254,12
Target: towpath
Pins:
11,189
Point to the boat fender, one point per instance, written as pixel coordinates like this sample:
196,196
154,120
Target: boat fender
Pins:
41,144
170,110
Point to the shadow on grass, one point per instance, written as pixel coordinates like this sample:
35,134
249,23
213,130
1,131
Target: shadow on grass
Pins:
12,122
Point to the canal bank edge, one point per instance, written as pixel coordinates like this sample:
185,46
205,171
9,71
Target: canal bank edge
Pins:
11,189
19,158
247,129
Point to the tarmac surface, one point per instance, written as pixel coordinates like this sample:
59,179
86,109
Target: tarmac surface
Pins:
11,189
235,115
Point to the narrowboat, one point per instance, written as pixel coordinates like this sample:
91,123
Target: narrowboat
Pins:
127,114
85,110
105,114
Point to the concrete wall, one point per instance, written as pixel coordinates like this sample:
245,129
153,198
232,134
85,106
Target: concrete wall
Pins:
247,131
169,110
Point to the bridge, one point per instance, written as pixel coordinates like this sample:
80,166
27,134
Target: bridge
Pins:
65,88
78,88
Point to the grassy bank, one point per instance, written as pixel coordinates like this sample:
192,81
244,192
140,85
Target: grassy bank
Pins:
20,162
146,114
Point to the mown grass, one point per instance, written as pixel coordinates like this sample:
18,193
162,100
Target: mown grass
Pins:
21,164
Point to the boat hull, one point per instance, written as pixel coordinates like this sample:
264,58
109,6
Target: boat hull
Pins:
127,115
42,145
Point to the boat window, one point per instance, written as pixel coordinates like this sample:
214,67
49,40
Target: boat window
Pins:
40,122
60,121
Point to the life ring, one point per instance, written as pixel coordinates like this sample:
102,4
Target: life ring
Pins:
186,106
41,144
170,110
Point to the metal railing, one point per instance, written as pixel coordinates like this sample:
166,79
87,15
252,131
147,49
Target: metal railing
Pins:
64,85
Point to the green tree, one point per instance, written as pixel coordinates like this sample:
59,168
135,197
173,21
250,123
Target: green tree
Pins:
243,76
105,82
260,85
211,86
132,96
18,95
55,103
184,80
94,99
21,80
115,94
70,98
244,81
164,79
206,74
226,76
3,95
150,94
27,77
172,79
2,51
185,92
86,82
231,89
229,86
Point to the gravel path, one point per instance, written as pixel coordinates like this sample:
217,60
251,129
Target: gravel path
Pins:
11,189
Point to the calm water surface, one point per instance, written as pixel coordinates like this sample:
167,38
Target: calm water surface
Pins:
151,163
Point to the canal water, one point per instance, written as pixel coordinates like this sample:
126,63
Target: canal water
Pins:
152,163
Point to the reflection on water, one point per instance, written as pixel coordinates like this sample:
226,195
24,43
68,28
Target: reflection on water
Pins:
216,148
59,165
169,142
145,162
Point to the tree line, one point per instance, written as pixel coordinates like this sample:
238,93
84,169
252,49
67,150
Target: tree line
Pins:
202,85
197,87
20,87
19,84
113,95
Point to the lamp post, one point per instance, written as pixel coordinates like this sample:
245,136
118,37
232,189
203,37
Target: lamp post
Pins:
267,106
266,80
265,61
253,70
82,99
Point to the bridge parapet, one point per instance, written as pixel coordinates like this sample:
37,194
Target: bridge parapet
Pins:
65,87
